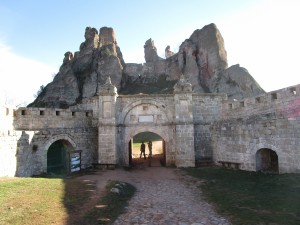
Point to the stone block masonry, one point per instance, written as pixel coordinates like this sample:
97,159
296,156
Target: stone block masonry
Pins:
107,145
97,103
185,155
269,121
251,132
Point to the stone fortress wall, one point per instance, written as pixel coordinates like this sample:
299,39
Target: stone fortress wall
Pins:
254,133
269,121
33,130
8,142
194,126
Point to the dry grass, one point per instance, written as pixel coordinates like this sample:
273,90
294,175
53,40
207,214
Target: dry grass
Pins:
32,201
35,201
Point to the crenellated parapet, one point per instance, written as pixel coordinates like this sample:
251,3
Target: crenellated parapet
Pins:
193,126
285,102
7,117
260,125
47,118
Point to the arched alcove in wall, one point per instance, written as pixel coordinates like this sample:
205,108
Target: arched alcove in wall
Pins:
58,157
57,151
267,161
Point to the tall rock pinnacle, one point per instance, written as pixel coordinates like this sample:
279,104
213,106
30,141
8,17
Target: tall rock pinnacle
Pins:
202,59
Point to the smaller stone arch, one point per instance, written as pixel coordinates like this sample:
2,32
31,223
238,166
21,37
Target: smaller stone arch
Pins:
267,161
63,139
54,138
264,144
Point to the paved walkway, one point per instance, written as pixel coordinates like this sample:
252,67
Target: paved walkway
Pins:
164,196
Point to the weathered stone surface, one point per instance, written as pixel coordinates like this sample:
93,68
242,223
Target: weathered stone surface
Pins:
201,58
194,127
107,36
211,53
168,52
62,91
80,76
150,51
188,63
182,86
236,82
215,113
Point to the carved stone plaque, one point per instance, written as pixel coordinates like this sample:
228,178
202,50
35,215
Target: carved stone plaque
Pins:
146,119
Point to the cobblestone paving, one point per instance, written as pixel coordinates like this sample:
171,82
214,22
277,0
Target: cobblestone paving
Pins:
164,196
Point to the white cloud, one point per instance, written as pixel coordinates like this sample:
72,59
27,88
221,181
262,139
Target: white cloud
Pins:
265,40
21,77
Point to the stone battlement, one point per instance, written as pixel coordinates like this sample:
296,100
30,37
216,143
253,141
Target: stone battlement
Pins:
6,117
194,126
285,101
46,118
188,100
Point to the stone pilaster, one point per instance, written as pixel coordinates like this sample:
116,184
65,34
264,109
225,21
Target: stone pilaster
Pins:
107,123
184,128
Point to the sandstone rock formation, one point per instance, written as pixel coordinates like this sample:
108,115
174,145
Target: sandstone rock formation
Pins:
79,76
151,51
168,52
201,58
236,82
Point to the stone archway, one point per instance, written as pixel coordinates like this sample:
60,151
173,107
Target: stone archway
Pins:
155,150
162,132
58,157
60,147
146,115
267,161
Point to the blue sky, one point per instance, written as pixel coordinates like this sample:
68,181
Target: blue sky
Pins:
260,35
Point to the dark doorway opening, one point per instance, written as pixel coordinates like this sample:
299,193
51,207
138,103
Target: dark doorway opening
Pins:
267,161
58,157
158,149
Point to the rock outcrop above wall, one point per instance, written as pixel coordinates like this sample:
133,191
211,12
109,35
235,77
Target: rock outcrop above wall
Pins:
79,76
201,58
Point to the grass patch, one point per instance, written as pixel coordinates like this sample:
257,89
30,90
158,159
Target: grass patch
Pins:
27,201
250,197
39,200
111,205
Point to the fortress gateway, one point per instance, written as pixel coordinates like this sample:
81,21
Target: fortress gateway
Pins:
201,109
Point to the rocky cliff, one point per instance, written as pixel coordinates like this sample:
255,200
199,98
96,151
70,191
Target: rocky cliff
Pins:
201,58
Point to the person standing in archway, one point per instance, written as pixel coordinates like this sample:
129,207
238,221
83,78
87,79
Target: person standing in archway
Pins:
143,147
150,149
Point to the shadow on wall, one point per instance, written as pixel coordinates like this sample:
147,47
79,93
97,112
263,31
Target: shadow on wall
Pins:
23,155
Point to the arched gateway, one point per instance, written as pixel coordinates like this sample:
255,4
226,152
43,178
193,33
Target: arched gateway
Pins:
155,150
122,117
148,116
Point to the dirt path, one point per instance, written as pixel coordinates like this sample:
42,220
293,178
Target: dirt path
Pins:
164,196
